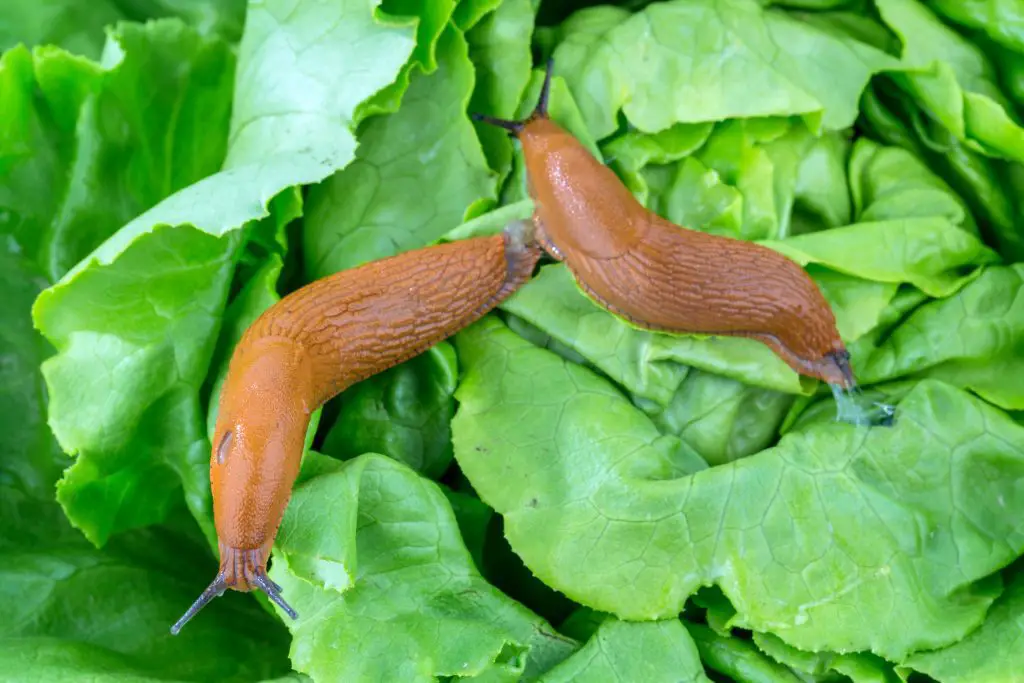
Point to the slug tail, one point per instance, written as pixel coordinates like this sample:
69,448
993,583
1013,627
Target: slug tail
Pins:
539,112
241,570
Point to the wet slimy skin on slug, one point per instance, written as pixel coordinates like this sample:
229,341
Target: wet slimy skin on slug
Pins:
312,345
660,276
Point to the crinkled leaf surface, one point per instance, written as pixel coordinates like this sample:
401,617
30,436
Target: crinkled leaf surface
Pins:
973,339
721,418
30,460
953,79
1002,20
118,604
404,413
889,182
859,667
994,652
372,560
591,505
135,324
110,140
929,253
655,652
723,59
76,27
393,197
738,659
499,47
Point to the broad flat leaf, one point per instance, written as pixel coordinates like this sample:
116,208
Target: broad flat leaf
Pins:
592,506
653,652
392,198
136,323
689,61
372,560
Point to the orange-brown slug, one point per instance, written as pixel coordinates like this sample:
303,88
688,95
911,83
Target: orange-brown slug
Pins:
311,345
663,277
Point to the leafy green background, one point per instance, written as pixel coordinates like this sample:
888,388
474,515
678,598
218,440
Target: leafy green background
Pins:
552,494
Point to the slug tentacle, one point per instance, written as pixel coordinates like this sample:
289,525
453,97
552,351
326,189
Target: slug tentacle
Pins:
241,570
539,112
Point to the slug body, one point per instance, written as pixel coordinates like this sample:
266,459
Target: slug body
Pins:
312,345
660,276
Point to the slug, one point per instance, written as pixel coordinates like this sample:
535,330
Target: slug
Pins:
311,345
660,276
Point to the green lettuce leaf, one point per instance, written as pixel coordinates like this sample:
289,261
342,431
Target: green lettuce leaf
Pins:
148,302
119,136
994,652
858,667
392,199
653,652
118,604
77,27
953,79
740,183
30,461
596,509
765,72
929,253
973,339
404,413
385,588
889,182
721,418
738,659
223,17
984,183
499,48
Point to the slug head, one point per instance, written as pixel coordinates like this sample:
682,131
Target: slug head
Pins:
240,570
582,208
262,418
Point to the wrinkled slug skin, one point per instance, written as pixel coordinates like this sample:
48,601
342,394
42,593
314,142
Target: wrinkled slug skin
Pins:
318,341
660,276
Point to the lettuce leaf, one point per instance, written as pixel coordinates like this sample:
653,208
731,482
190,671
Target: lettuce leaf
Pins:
991,653
391,200
653,651
386,589
594,504
973,339
138,432
627,61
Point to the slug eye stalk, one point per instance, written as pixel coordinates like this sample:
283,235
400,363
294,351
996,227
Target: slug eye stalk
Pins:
539,112
259,579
